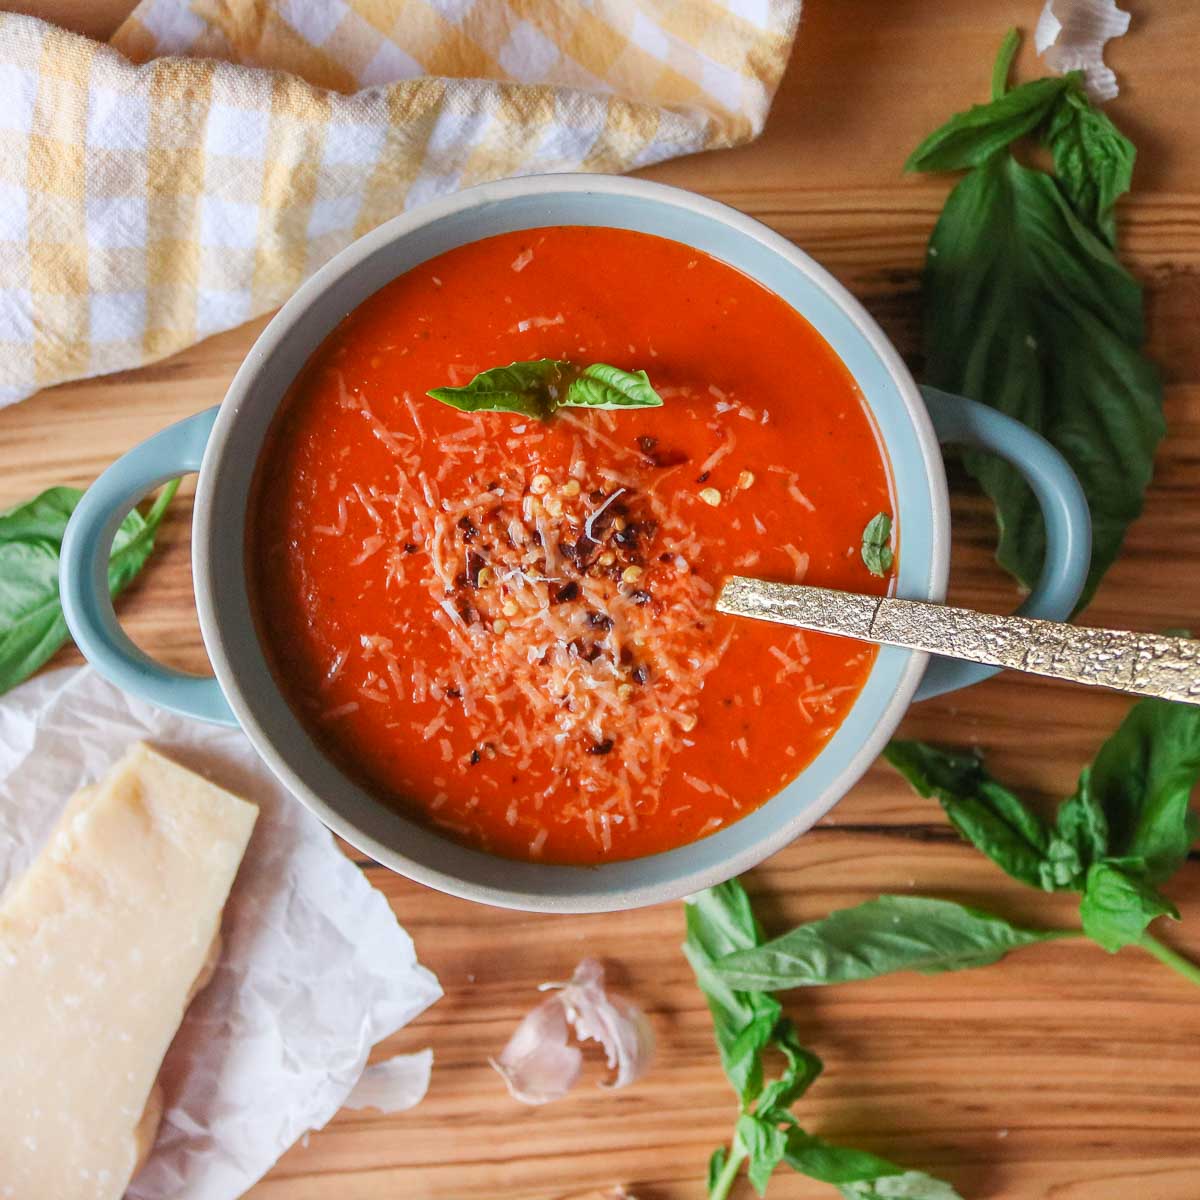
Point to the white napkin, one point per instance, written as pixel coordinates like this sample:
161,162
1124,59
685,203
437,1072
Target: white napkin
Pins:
315,969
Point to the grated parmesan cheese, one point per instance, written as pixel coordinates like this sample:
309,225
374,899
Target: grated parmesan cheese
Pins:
576,634
603,658
536,323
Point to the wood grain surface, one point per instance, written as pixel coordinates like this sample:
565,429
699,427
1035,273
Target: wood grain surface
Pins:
1063,1072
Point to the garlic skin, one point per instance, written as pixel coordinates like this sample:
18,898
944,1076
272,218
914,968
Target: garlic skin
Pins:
393,1085
539,1065
618,1025
1071,35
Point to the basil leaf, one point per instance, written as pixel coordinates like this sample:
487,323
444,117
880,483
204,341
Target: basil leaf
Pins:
1025,308
529,388
802,1069
1080,838
891,933
722,920
32,627
971,138
1118,904
876,544
716,1164
742,1059
987,814
31,622
1143,778
538,387
911,1185
816,1158
1028,311
602,386
719,922
858,1174
1093,161
764,1144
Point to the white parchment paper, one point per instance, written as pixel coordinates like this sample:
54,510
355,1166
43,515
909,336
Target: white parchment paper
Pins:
315,968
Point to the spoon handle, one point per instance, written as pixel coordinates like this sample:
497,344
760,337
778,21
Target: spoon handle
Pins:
1145,664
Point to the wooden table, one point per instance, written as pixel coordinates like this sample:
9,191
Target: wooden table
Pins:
1061,1073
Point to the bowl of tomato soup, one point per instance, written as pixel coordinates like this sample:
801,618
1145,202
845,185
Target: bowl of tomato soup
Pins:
482,645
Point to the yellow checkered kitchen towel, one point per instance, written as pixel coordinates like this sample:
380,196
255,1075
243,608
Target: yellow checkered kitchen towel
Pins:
143,207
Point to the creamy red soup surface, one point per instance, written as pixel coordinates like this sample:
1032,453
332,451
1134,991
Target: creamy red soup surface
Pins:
504,626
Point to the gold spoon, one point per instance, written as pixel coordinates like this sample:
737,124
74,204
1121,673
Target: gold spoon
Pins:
1146,664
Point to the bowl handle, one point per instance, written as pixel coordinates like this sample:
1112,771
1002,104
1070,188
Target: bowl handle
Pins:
83,573
1064,508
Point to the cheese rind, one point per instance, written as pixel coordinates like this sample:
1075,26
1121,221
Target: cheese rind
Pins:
101,943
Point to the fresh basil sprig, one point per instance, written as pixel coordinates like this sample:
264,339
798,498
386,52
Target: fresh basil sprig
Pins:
877,544
1126,830
538,387
32,627
748,1024
1026,307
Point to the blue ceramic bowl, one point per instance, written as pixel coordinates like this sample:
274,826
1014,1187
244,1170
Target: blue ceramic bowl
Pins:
223,445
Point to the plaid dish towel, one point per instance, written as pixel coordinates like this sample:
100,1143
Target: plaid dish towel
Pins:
190,176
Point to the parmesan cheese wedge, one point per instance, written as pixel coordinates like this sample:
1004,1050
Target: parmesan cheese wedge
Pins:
103,942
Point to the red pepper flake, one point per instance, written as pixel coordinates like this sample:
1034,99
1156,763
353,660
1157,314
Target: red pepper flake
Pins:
561,593
604,747
588,651
578,553
659,458
475,564
632,534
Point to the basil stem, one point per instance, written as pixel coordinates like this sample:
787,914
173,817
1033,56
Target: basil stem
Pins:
729,1173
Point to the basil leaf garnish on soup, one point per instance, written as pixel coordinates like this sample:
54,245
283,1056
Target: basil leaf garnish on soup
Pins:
538,387
876,544
602,386
529,388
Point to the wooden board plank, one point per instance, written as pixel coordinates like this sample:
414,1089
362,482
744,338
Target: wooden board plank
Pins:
1062,1073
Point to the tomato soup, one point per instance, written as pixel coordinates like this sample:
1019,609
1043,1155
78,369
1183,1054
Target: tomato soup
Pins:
505,626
